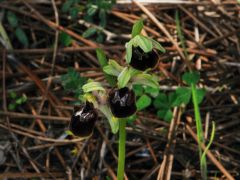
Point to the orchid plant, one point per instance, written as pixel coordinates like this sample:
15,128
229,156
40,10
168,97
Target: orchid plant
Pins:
118,104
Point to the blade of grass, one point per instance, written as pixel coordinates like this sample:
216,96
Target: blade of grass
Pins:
202,158
209,144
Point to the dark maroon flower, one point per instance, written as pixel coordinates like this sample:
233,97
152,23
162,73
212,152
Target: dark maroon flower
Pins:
83,120
141,60
122,102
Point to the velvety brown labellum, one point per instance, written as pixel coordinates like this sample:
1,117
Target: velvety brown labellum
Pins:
122,102
142,61
83,120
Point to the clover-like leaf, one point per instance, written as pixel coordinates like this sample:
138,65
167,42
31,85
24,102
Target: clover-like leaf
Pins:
161,101
143,102
65,39
151,91
183,96
165,114
200,95
138,89
191,77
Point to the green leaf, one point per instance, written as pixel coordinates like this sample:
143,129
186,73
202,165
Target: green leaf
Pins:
73,82
22,37
172,97
113,68
12,19
146,79
12,106
100,37
103,63
67,5
128,56
101,57
113,121
92,86
158,46
143,42
102,17
74,12
152,91
91,11
124,77
191,77
89,32
165,114
110,70
13,95
161,101
143,102
131,119
115,65
65,39
183,96
200,95
137,28
138,89
20,100
70,133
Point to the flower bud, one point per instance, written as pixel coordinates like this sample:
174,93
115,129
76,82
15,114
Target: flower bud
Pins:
142,61
122,102
83,120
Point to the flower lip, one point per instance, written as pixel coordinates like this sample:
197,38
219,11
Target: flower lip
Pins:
122,102
142,61
83,120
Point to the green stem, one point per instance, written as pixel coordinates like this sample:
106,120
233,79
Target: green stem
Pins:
121,149
203,164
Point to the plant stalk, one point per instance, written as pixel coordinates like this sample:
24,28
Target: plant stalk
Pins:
121,149
203,164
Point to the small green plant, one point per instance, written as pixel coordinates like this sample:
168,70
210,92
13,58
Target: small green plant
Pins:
16,100
191,79
73,82
94,12
72,8
18,31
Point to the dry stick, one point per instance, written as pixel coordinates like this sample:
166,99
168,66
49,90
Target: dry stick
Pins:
164,30
211,156
30,116
63,50
25,175
42,138
196,20
166,166
49,82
